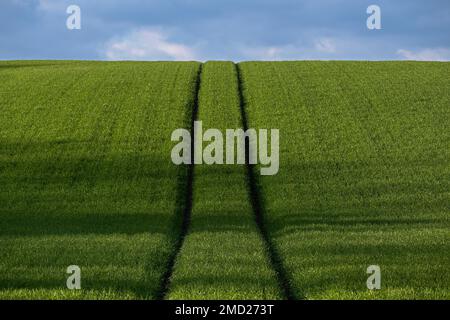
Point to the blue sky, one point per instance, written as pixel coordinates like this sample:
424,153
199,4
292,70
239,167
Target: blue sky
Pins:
225,30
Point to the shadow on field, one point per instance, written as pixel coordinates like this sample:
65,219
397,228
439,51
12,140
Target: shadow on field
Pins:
334,196
30,225
345,223
69,161
138,288
71,190
240,281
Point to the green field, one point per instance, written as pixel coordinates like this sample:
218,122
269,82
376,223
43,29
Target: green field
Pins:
223,255
365,174
86,179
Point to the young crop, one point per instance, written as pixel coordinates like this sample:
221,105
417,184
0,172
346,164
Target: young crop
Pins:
223,256
85,178
357,210
363,174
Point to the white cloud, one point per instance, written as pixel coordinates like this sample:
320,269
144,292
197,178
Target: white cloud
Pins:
51,6
440,54
264,53
321,48
147,44
325,45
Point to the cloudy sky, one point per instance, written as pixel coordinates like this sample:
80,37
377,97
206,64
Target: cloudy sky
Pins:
225,29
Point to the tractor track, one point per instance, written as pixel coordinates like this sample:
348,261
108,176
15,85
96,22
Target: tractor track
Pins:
185,201
258,206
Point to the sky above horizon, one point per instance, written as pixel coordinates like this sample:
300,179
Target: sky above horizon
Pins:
225,30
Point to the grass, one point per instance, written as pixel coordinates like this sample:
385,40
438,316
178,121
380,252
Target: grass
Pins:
223,255
364,174
86,176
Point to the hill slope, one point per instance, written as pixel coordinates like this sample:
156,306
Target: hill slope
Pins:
86,179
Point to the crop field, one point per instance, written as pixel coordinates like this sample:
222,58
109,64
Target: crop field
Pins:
223,254
83,176
364,176
86,179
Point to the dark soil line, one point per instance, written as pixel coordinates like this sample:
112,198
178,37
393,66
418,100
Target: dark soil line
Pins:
184,201
258,207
